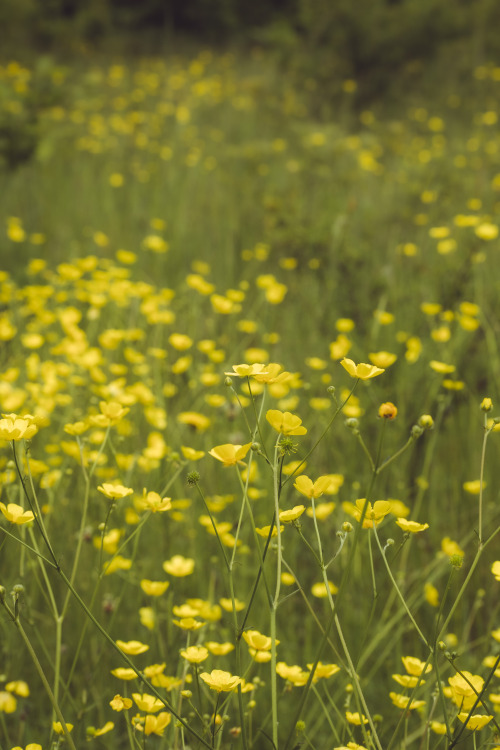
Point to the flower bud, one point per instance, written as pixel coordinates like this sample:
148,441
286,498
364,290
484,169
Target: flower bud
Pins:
255,447
486,404
331,390
193,478
347,527
388,410
416,431
300,727
456,561
228,382
426,421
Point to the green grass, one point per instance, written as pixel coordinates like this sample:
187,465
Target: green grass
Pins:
323,240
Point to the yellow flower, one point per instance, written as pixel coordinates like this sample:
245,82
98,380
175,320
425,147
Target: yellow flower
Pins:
486,231
195,654
117,563
124,673
319,589
17,428
438,727
230,454
403,701
222,682
257,640
464,689
19,687
474,486
441,367
245,371
153,502
114,491
412,527
58,728
382,359
450,548
285,422
407,681
179,566
147,703
414,666
8,703
294,673
355,718
154,588
374,514
108,727
271,374
219,649
431,594
311,489
16,514
111,413
132,647
264,531
190,454
157,724
495,569
119,704
323,671
287,516
188,623
477,721
361,371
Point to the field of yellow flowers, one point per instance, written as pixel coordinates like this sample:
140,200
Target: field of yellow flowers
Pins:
249,389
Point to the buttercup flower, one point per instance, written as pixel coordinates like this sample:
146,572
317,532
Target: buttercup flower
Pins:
16,514
114,491
374,514
230,454
414,666
411,527
311,489
477,721
285,422
222,682
388,411
245,371
179,566
495,569
147,703
132,647
119,704
361,371
17,428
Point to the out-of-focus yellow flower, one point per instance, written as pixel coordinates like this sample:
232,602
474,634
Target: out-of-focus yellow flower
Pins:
120,704
132,648
382,359
195,654
114,491
411,527
477,721
495,569
414,666
58,728
179,566
17,428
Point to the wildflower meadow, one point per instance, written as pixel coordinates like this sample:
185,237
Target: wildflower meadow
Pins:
250,396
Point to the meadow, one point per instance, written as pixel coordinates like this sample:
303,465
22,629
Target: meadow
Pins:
249,385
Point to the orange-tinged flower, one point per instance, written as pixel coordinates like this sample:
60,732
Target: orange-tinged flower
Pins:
388,411
230,454
311,489
222,682
16,514
362,371
285,422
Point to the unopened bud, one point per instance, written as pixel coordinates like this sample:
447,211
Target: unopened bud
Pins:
416,431
426,421
228,382
347,527
486,404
